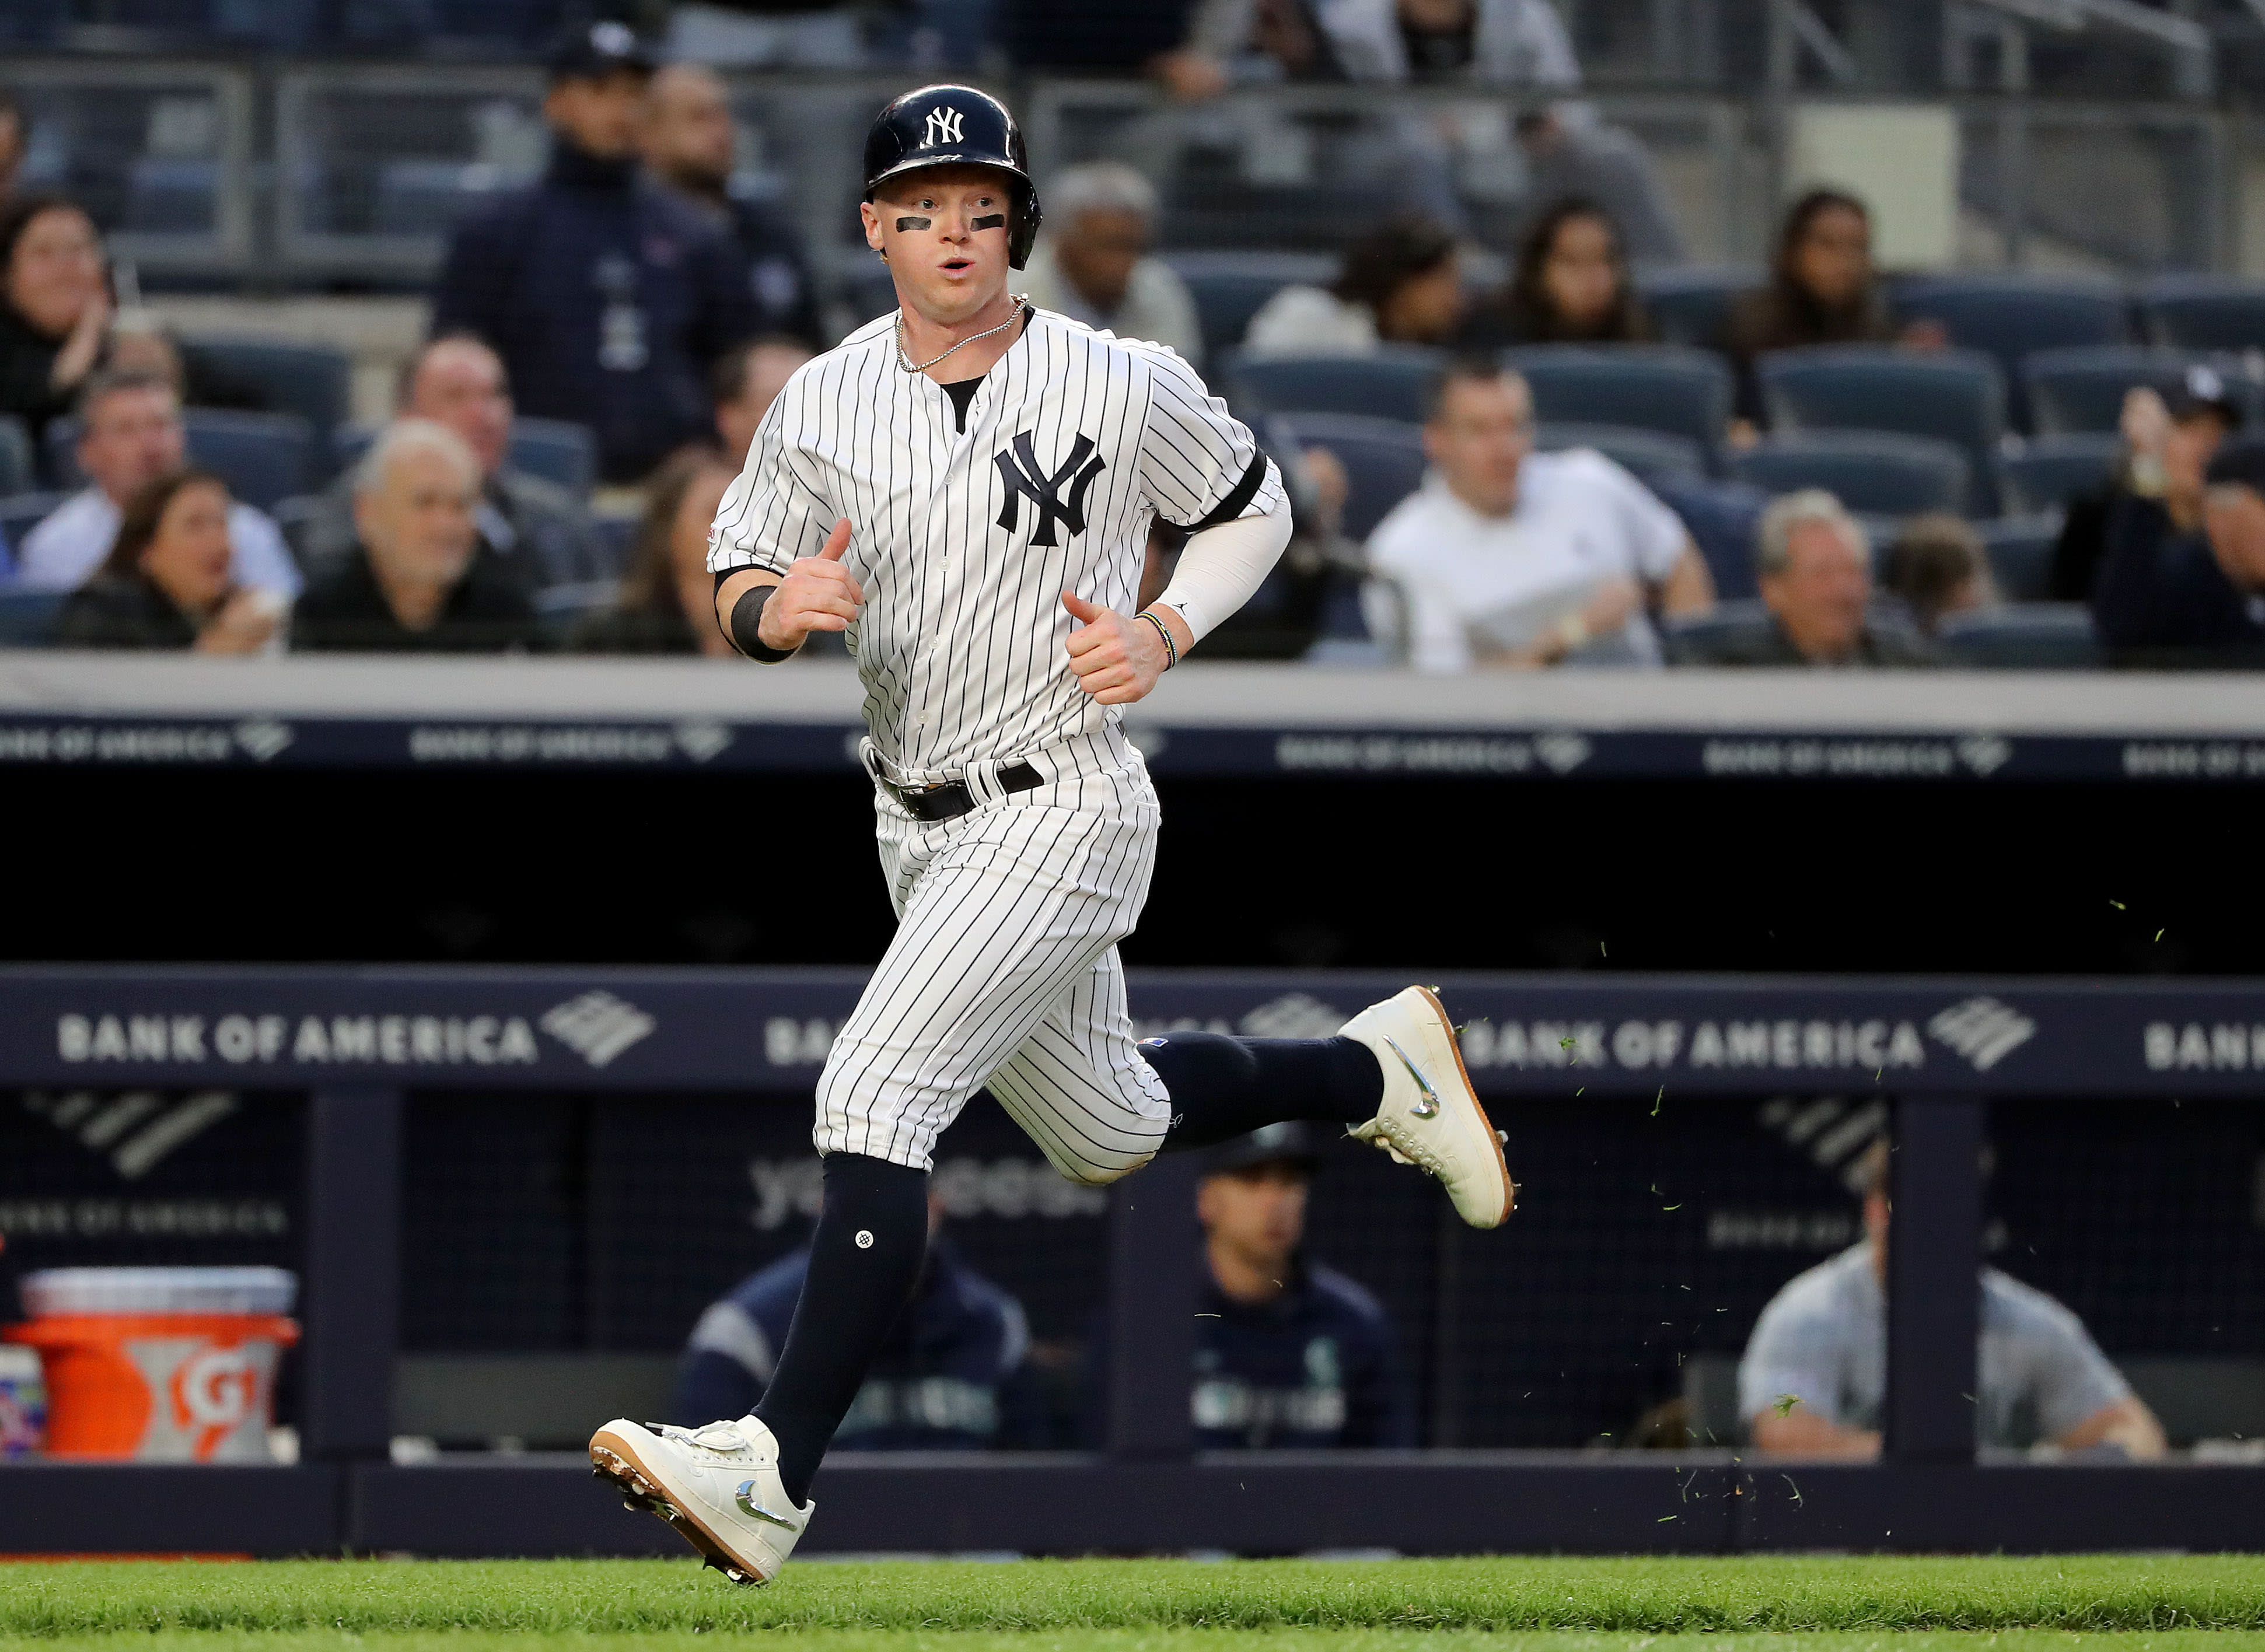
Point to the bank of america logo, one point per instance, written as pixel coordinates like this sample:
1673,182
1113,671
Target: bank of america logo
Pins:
1983,1030
597,1026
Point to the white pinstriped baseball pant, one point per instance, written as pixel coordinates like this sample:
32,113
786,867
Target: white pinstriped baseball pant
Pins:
1004,973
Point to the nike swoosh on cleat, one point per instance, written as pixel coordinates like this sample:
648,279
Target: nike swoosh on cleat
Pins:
1429,1107
749,1506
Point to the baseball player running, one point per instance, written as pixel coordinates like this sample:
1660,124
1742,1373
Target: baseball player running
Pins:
965,487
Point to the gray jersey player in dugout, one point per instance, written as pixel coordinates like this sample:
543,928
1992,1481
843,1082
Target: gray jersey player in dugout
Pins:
965,487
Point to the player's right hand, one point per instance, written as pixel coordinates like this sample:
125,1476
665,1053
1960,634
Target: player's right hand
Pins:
818,594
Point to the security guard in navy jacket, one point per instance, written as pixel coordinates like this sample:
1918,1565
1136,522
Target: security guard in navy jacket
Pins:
1289,1354
608,295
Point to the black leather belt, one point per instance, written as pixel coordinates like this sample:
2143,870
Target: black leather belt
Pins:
952,799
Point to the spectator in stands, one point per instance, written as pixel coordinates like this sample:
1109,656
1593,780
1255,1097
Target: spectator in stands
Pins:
1823,289
1571,154
690,144
1939,566
130,434
1506,557
1289,1354
1571,285
955,1374
606,295
666,604
166,581
415,582
1400,283
767,33
1092,265
1815,570
2192,596
2168,440
54,307
1814,1378
537,533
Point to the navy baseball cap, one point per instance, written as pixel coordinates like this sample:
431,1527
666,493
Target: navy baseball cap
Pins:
1290,1143
598,52
2202,389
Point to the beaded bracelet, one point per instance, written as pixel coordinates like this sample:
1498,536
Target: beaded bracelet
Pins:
1171,648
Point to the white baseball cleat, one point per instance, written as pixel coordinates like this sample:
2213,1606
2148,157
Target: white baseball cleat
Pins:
718,1486
1431,1117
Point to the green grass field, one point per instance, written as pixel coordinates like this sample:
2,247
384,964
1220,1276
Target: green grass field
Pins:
2118,1604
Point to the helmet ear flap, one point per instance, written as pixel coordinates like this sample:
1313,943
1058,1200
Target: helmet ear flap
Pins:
1028,217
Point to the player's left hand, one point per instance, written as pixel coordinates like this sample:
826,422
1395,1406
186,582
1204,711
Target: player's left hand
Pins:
1116,656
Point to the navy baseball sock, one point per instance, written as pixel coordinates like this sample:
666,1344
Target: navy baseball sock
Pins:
1223,1087
865,1258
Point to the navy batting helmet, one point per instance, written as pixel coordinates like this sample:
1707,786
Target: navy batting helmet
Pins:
946,126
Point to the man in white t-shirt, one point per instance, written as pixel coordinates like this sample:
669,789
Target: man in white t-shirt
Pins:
1506,557
131,434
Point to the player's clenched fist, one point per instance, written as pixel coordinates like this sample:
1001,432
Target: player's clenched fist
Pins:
1118,658
818,594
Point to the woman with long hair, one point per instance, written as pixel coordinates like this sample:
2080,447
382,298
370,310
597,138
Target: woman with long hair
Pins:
166,583
1400,283
54,306
1571,285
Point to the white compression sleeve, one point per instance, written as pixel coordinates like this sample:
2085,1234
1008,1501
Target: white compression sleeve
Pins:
1220,567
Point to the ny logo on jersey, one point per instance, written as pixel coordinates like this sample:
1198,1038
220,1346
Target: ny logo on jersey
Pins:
942,127
1027,479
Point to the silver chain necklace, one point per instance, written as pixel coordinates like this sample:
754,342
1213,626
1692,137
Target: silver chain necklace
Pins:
910,366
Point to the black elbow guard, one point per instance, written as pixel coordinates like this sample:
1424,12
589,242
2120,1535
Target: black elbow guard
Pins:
747,617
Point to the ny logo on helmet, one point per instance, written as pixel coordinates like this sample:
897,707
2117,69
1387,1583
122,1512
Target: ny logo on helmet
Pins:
1028,480
942,127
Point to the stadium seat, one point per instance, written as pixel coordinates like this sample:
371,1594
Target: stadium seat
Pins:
1383,461
1389,384
2204,312
263,457
559,608
18,465
2012,316
21,513
172,195
314,380
1868,471
426,197
2050,471
2021,555
1682,391
1956,396
1742,617
2024,637
1693,306
27,618
1651,454
870,290
1720,518
555,449
1229,288
2075,390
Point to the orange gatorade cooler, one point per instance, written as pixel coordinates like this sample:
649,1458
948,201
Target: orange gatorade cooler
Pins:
159,1365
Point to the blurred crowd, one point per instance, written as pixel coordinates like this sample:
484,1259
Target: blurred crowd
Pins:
632,298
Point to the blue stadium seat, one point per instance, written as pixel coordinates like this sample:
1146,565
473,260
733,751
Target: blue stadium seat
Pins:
166,195
21,513
1389,384
1734,616
555,449
18,465
2074,390
1652,454
2012,316
314,380
2204,312
1720,518
1670,388
2021,555
2050,471
870,290
1954,396
1383,461
263,457
2024,637
1693,306
1868,471
1228,287
27,618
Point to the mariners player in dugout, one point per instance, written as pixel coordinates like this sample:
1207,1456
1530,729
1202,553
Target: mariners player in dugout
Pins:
965,488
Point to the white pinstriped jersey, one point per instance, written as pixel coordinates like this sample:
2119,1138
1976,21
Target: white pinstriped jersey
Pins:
1075,442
